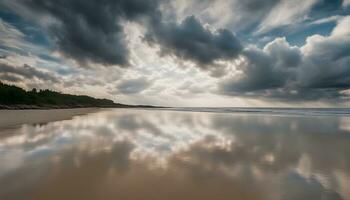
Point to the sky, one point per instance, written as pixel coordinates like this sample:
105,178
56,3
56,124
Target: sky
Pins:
215,53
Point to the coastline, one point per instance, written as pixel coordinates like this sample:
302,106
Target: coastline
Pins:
13,118
16,98
54,107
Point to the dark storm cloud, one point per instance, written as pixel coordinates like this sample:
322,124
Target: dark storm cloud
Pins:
87,30
320,71
264,69
134,86
17,73
327,65
92,31
190,40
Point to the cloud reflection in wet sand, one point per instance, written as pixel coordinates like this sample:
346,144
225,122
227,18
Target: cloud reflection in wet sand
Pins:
135,154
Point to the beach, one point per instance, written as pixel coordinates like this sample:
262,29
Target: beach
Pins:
174,154
9,118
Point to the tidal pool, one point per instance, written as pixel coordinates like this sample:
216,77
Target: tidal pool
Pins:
174,155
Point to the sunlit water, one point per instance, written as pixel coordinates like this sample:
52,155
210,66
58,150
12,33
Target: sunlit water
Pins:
167,155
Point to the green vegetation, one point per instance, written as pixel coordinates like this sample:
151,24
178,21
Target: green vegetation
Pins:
12,96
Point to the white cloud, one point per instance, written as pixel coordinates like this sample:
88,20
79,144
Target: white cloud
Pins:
327,20
346,3
284,13
11,37
342,29
241,15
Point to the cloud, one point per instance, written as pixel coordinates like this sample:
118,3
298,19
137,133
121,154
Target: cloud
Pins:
286,12
18,73
346,3
134,86
247,16
93,32
318,70
238,14
86,31
14,40
327,59
326,20
190,40
269,68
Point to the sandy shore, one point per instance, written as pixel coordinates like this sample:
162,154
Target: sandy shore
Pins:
48,107
9,118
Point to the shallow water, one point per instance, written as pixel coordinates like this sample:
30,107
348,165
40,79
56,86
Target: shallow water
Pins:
157,154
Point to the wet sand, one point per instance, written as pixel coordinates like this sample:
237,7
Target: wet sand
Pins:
10,118
154,155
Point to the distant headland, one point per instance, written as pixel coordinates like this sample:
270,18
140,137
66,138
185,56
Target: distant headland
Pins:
13,97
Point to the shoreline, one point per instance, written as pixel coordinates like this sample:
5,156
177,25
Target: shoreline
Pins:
17,116
55,107
14,118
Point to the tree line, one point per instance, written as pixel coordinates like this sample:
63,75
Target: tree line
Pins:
13,95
